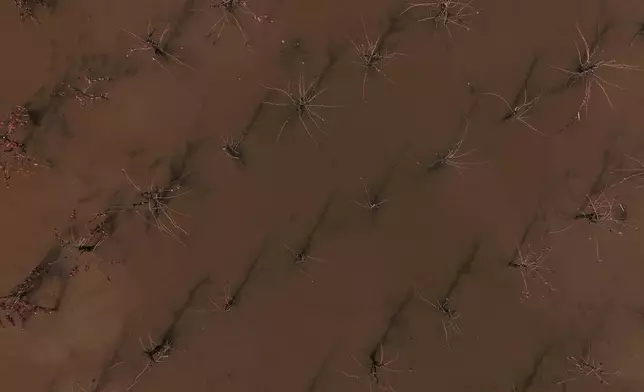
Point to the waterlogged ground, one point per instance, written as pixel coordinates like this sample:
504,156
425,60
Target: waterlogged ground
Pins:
463,218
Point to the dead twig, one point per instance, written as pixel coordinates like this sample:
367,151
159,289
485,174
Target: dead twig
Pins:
17,304
228,300
26,8
233,149
301,255
95,232
13,153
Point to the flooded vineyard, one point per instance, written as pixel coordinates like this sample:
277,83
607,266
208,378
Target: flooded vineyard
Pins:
282,195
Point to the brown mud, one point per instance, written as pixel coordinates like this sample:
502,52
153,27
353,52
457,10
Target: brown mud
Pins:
450,204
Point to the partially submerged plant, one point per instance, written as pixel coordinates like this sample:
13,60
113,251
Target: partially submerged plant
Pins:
606,212
449,315
160,352
233,149
155,45
231,296
587,71
301,255
303,251
520,111
587,366
228,300
302,103
229,10
374,375
156,353
372,57
154,201
454,156
232,146
530,265
372,201
446,13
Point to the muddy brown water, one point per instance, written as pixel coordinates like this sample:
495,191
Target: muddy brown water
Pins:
373,279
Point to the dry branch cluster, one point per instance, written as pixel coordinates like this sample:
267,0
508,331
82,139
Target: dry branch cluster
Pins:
519,112
83,95
26,8
81,242
13,156
372,56
17,306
